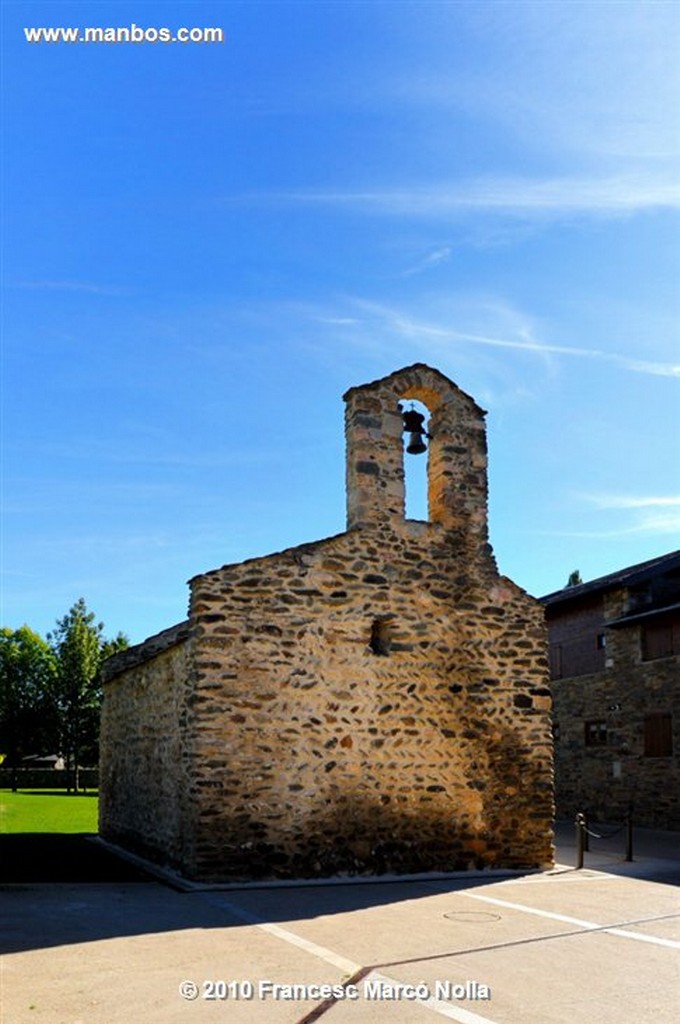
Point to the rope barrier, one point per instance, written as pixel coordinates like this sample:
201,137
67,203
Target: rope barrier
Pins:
605,835
583,832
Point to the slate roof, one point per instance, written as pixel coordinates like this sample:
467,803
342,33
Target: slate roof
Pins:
149,648
627,577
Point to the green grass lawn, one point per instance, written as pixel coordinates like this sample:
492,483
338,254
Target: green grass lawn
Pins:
47,810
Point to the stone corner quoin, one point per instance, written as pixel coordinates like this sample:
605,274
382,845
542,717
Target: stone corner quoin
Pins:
374,702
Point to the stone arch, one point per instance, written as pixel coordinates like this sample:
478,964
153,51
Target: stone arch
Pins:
457,485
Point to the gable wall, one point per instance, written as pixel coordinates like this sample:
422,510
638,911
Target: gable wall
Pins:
315,755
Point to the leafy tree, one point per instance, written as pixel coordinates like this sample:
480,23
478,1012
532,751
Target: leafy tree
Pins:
28,672
80,647
574,579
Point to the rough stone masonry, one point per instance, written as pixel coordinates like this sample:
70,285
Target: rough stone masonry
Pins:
374,702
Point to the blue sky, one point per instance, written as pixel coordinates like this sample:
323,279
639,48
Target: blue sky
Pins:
206,245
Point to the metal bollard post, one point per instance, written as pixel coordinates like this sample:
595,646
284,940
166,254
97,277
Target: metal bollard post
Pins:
580,839
629,836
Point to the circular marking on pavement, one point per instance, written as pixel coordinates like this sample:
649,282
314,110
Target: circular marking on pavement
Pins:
472,916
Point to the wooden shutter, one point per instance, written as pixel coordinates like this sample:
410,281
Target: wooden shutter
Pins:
658,735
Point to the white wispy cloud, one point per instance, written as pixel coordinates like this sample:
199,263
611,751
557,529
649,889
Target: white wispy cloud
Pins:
338,321
522,337
662,524
632,501
139,452
433,259
67,286
598,80
525,197
644,366
633,514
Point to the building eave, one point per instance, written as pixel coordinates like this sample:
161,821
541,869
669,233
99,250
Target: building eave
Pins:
627,577
149,648
652,613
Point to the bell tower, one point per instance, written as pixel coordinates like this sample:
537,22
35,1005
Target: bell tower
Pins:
377,421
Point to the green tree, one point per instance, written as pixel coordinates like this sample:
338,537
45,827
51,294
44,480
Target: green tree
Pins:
574,579
28,719
80,647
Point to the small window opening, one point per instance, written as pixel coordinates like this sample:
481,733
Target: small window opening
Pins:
381,637
416,468
596,734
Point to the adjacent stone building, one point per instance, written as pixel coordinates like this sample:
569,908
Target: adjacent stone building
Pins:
374,702
615,667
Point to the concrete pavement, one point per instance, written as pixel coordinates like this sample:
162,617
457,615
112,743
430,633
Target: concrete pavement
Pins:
601,944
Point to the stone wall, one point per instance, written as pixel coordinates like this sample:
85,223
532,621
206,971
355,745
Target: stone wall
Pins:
604,780
316,754
145,747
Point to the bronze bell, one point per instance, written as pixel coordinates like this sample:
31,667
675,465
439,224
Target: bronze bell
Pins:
416,444
413,424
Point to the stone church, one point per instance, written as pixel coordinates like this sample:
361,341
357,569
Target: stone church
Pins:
373,702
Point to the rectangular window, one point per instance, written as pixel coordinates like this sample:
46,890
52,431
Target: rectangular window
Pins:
658,735
555,661
596,734
582,655
660,639
574,630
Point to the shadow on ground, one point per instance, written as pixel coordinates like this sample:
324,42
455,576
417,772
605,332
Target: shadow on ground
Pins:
55,857
60,890
67,889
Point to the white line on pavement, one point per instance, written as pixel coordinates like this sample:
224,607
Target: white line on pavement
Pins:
348,966
341,962
586,925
